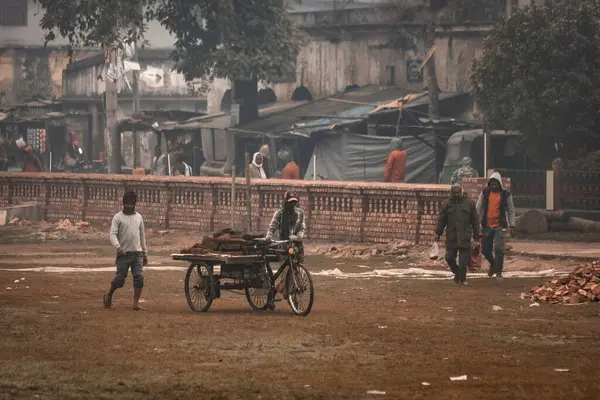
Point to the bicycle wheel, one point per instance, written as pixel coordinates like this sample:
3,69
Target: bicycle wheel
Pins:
260,297
299,284
199,287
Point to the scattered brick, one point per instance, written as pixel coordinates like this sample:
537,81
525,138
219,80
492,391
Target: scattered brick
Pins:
580,286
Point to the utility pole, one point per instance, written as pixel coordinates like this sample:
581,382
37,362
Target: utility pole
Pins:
433,92
137,151
112,140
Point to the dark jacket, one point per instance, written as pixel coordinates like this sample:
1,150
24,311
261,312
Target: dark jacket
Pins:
507,206
460,219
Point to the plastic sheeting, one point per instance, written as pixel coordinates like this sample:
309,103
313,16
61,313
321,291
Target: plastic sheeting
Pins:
351,157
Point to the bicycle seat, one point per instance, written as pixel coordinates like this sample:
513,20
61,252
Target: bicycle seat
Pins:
261,241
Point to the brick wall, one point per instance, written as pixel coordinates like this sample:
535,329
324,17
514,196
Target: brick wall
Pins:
350,211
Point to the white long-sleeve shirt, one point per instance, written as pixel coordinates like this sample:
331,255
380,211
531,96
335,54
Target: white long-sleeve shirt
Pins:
127,233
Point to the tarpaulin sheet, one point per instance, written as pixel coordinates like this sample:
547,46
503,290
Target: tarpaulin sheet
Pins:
352,116
351,157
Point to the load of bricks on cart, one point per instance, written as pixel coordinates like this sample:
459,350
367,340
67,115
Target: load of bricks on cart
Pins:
225,241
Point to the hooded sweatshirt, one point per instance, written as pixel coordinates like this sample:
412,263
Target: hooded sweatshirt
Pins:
256,170
496,209
395,167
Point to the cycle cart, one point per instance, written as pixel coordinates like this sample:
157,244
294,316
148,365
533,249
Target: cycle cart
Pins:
207,272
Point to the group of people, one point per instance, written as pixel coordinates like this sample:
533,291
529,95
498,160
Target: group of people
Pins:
467,223
259,167
128,238
160,165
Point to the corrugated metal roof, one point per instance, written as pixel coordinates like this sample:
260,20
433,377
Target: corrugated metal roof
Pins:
352,103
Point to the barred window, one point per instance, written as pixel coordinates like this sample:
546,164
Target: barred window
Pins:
13,12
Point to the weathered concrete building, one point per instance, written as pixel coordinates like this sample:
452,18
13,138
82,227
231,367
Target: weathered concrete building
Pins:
28,70
372,42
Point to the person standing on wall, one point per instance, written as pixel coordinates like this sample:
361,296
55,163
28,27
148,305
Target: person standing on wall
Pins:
459,218
128,237
497,212
395,167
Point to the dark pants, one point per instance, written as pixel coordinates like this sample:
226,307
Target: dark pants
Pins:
491,237
133,260
459,270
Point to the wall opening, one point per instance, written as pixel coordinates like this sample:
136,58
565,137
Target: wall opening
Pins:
266,96
351,88
226,101
301,93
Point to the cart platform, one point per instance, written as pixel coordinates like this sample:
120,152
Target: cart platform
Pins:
221,258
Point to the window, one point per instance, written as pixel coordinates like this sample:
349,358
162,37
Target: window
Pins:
13,12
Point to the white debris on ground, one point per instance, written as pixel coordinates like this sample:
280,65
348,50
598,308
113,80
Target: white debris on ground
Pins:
420,273
398,249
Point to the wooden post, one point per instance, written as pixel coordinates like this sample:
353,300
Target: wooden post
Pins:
232,194
248,192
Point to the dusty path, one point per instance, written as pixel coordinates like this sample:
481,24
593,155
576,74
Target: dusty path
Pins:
385,334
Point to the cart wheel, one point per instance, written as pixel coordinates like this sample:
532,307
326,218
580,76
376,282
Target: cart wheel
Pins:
300,290
258,298
199,287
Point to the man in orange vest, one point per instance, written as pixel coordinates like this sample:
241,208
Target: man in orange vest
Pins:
395,168
291,170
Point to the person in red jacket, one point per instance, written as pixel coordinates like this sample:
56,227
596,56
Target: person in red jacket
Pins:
291,170
395,168
31,162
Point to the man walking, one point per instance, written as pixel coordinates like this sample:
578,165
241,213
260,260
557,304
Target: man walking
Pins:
128,237
460,219
497,212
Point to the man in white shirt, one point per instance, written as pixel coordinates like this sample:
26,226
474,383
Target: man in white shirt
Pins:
128,237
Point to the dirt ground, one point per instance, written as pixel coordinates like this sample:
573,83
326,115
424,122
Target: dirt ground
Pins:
405,337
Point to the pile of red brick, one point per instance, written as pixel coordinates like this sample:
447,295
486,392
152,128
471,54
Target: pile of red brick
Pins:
580,286
226,241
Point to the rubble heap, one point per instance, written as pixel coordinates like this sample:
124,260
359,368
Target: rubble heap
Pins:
580,286
397,249
226,241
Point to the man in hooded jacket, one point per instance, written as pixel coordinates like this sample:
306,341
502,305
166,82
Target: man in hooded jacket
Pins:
497,212
395,167
459,218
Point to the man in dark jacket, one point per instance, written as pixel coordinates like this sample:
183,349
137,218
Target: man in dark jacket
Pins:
497,212
460,219
288,224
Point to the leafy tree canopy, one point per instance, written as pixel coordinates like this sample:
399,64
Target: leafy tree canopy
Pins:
213,38
539,74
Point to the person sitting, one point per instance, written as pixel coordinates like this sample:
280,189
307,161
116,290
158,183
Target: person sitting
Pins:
181,168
